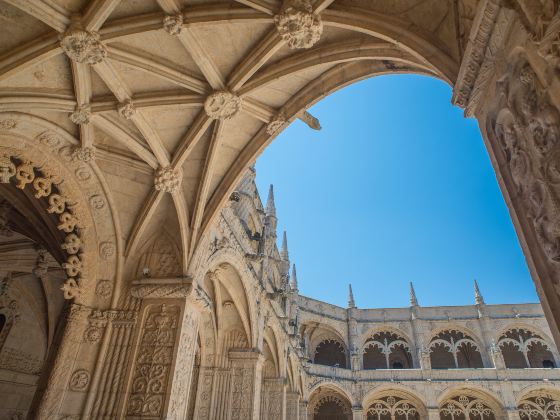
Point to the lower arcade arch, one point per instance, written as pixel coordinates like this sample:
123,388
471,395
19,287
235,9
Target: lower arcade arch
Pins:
393,404
329,403
539,404
469,404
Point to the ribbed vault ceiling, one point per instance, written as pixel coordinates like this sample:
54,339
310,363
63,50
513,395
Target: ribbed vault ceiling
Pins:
139,100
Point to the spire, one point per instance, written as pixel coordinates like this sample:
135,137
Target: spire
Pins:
413,300
478,299
284,251
270,207
293,279
351,303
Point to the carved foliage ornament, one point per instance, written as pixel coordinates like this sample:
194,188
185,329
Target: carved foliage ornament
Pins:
527,127
222,105
153,362
297,25
83,46
79,380
83,154
81,115
167,179
173,24
126,109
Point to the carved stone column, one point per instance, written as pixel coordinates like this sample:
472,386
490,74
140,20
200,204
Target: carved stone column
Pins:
273,395
512,414
245,388
53,389
114,366
433,414
184,363
357,413
203,402
303,410
292,406
165,348
424,357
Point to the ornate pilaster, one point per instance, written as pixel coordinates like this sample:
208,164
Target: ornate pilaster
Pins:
273,398
246,370
357,413
54,389
292,406
113,369
303,410
433,414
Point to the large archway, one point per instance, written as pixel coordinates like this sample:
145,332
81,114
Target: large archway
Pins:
161,107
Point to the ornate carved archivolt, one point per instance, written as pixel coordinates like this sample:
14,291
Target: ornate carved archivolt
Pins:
45,187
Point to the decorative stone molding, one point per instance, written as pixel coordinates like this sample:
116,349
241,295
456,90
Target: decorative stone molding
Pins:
8,124
297,25
107,250
79,380
126,109
173,24
25,173
17,361
50,139
104,288
81,115
474,54
83,46
83,154
525,125
222,105
162,288
167,179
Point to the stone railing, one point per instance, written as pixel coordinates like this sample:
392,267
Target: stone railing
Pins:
482,374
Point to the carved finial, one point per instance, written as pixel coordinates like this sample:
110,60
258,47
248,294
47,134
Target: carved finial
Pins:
126,109
83,46
351,303
222,105
293,279
284,250
478,299
413,300
297,25
81,114
167,179
173,24
270,209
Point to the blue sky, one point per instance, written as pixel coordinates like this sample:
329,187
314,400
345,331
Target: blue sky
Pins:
396,187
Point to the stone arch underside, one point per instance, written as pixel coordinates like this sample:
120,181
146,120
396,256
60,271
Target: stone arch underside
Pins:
166,104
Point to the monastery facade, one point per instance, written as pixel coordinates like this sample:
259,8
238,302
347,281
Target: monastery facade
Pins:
140,276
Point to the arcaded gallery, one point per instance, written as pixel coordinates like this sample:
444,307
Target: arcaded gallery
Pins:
142,276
